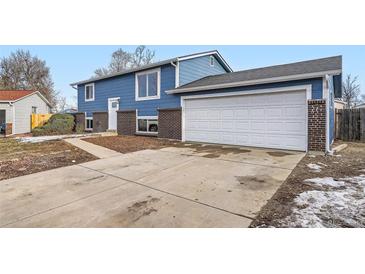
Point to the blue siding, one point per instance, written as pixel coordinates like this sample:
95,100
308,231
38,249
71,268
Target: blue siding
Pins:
197,68
124,87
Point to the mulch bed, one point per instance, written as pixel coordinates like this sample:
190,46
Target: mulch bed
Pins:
126,144
18,159
351,161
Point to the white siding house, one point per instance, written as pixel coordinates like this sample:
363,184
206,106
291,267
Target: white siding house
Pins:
19,106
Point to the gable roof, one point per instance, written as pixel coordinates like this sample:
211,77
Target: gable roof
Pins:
160,63
13,95
286,72
16,95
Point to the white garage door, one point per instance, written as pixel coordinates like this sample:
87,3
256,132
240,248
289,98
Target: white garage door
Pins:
272,120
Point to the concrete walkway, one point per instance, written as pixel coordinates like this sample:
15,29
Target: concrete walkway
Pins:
98,151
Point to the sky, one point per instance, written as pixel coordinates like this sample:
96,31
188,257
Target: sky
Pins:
75,63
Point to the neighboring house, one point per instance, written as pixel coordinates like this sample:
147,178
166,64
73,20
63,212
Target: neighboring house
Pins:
16,107
199,98
68,111
339,104
360,106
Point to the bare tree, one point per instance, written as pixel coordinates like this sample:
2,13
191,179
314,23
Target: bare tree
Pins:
122,60
363,98
350,91
22,71
142,56
61,104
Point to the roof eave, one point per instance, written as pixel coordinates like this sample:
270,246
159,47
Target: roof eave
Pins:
146,67
255,82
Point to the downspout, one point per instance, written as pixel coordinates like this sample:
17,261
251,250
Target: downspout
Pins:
327,94
176,72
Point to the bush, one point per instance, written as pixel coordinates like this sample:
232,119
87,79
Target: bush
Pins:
58,124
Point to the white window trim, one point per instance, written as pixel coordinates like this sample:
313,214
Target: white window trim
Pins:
90,85
137,98
210,61
88,118
147,118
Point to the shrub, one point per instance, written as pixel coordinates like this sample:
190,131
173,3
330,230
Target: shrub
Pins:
57,124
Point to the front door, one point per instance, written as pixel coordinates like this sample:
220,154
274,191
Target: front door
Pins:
113,106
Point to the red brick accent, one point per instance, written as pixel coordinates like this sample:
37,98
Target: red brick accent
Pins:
169,123
100,121
80,121
8,129
317,125
126,122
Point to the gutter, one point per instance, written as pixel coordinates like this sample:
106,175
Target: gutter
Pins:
256,82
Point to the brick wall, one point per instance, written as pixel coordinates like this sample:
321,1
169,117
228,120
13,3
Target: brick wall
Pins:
8,129
317,125
126,122
169,123
80,121
100,121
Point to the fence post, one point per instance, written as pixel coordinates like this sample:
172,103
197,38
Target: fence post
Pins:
362,124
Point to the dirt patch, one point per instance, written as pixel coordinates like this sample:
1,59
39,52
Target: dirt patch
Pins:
349,162
126,144
142,208
253,182
278,153
213,151
18,159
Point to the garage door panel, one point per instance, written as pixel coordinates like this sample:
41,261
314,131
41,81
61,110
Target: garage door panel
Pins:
256,113
276,120
241,113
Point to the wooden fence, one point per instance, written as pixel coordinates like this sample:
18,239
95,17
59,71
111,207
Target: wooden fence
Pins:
39,119
350,124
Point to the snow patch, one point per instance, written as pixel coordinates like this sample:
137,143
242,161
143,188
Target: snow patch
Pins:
314,167
40,139
340,205
327,181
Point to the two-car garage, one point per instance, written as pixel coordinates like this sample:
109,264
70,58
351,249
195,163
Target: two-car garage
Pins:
268,118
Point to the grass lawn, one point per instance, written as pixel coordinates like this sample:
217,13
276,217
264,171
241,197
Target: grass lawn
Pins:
17,159
322,191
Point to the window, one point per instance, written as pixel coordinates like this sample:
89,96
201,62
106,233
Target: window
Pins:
211,61
34,110
147,125
89,123
148,85
89,92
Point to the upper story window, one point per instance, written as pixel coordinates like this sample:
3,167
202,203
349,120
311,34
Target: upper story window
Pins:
89,92
34,110
211,61
148,85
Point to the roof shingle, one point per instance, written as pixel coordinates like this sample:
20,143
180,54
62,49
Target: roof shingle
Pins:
13,95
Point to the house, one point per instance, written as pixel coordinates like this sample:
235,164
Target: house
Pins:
360,106
199,98
339,104
16,107
68,111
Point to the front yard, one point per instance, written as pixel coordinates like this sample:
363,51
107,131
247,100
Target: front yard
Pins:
126,144
322,191
17,159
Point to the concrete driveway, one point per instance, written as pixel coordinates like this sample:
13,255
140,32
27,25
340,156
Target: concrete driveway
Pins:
183,186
